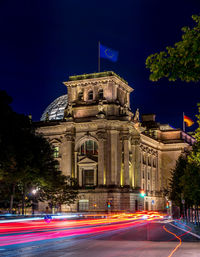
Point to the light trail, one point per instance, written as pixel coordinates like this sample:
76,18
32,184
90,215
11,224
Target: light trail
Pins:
38,236
180,241
178,237
24,232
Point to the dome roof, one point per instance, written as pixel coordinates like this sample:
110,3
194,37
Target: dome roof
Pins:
56,109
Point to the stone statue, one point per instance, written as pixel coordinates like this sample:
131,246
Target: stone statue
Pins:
69,110
126,109
101,113
47,116
100,107
68,113
137,116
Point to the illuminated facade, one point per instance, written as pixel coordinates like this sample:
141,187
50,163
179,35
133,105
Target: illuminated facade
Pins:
112,153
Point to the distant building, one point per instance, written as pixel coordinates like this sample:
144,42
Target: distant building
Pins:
112,153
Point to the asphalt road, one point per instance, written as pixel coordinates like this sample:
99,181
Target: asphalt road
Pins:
105,238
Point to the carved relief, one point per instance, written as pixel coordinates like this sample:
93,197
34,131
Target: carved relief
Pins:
124,136
148,150
101,135
69,136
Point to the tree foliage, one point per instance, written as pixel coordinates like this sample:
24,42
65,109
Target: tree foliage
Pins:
26,159
182,61
185,181
190,183
175,185
62,191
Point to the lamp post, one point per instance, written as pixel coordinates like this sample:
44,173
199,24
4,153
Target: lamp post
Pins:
34,191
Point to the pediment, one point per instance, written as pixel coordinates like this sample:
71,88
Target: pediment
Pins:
87,160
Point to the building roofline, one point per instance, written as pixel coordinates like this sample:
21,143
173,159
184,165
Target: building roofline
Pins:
97,77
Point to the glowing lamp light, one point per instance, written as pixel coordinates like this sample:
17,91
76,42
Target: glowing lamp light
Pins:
142,193
34,191
109,205
167,205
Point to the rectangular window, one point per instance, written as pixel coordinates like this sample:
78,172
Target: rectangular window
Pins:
57,167
83,205
56,152
88,177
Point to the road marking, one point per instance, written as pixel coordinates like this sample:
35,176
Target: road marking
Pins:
180,241
161,221
195,235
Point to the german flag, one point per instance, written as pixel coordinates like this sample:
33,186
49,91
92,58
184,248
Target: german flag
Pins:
189,122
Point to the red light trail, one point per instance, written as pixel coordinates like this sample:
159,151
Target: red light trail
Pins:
24,232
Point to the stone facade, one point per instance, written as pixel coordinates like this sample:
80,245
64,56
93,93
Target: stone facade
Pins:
111,153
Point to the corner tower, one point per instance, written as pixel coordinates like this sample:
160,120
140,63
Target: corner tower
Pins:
98,95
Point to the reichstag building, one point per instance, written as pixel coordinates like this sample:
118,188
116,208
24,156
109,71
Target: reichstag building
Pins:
111,151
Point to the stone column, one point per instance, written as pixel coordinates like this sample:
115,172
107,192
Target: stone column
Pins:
63,151
80,181
136,161
120,164
113,156
159,172
68,158
146,172
101,162
126,161
95,175
75,164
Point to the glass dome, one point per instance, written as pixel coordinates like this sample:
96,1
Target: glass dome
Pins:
56,109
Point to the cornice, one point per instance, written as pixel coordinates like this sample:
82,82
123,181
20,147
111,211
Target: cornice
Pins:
161,146
95,81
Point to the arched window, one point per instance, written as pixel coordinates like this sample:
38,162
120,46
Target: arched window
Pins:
90,95
89,147
100,94
80,95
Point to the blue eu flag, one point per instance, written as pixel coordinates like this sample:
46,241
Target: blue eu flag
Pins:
108,53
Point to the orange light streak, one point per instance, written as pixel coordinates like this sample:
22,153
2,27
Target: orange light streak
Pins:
180,241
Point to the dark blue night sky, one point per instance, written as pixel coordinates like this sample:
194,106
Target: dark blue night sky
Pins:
42,42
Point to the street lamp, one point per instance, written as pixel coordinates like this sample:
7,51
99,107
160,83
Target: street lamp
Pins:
34,191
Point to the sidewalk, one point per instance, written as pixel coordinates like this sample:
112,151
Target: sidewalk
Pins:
181,223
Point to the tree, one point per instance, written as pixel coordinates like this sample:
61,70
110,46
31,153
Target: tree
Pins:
182,61
26,158
194,157
11,127
176,188
190,184
62,191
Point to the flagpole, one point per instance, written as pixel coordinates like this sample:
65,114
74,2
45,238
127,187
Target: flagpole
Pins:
183,122
99,56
